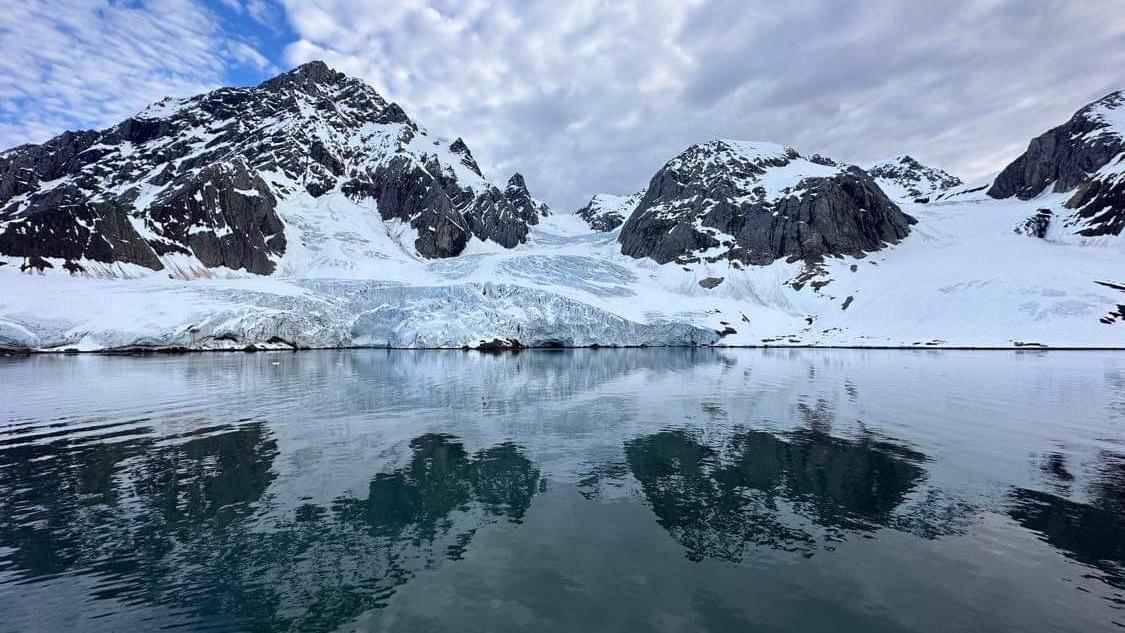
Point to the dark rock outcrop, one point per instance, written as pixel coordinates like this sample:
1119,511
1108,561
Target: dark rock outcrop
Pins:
63,223
461,150
209,177
606,212
225,215
406,191
526,207
1063,157
756,203
493,218
1037,224
1099,203
1086,156
505,217
500,345
603,222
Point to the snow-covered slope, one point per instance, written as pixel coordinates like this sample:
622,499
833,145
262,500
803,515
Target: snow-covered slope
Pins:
904,179
311,168
1084,157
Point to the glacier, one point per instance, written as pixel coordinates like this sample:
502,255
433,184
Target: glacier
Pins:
964,278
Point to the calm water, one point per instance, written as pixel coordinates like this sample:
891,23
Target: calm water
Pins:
601,490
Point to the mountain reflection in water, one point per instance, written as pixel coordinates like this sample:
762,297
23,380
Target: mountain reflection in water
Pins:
1092,533
758,490
598,490
175,524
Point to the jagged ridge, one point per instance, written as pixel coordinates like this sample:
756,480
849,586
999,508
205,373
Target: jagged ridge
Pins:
904,178
208,178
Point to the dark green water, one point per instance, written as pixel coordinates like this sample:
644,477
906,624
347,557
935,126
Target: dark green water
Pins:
601,490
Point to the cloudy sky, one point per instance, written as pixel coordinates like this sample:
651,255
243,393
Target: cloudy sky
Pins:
584,96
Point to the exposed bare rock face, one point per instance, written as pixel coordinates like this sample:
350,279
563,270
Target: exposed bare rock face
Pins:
755,203
207,179
527,208
508,221
226,217
1084,156
905,179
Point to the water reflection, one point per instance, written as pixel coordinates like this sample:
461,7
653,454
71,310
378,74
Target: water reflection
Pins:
189,525
1090,532
762,490
333,563
356,478
114,506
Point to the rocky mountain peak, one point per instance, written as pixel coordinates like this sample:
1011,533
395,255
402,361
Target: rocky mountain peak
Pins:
310,77
527,208
517,182
1065,156
906,179
461,150
723,157
113,196
1085,157
754,202
605,212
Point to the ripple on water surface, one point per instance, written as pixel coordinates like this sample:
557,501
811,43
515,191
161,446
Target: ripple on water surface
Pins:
654,490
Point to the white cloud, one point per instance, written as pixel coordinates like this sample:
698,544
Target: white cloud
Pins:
591,95
550,89
585,96
90,63
247,55
264,12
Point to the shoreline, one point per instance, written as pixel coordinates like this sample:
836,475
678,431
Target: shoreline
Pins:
178,351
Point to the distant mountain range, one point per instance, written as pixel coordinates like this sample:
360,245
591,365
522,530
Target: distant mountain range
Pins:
312,175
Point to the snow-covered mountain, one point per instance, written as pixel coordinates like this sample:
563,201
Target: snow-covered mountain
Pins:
754,203
605,211
311,162
310,212
904,179
1083,158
